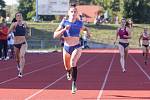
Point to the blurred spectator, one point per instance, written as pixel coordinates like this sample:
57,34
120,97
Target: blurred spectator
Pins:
85,39
11,41
1,19
7,19
129,23
11,45
116,20
3,41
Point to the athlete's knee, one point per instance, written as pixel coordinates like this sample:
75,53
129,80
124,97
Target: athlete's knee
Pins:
22,56
72,64
122,55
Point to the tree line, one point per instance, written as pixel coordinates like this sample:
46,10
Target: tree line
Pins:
138,10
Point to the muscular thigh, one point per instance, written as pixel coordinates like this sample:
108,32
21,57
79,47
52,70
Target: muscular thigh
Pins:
76,55
23,49
17,51
66,58
121,49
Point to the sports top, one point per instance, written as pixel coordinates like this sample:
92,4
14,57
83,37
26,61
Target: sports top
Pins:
74,30
20,30
122,32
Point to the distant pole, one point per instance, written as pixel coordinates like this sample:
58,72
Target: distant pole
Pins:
36,9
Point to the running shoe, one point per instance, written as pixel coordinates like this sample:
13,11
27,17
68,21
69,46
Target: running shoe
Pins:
20,75
74,88
123,70
145,62
143,53
6,58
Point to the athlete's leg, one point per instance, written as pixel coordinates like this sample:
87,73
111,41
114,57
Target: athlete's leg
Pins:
22,57
66,59
125,54
144,50
122,61
146,55
5,50
17,53
74,59
1,48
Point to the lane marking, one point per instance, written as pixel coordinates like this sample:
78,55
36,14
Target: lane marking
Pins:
39,69
106,77
38,92
12,67
140,67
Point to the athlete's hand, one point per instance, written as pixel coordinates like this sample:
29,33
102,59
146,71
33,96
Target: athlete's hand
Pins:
67,27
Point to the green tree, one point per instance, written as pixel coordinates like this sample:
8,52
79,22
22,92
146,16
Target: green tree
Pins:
2,6
96,2
138,10
116,5
27,8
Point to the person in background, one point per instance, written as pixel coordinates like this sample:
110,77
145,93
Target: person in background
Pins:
85,39
130,23
124,34
10,42
144,43
3,41
19,28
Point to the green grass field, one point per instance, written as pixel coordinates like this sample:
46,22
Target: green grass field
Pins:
104,33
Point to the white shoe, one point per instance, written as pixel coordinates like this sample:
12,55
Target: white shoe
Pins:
20,75
74,88
123,70
6,58
1,59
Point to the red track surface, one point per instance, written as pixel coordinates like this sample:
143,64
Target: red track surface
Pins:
99,78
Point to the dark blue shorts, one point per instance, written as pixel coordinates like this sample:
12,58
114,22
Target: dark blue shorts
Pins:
145,45
19,45
70,49
124,44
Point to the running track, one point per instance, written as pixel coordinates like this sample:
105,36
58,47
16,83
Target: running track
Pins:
99,77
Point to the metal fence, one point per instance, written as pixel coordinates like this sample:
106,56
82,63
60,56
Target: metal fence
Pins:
55,44
43,44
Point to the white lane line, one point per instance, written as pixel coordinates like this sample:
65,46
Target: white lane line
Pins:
140,67
12,67
105,80
38,92
39,69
